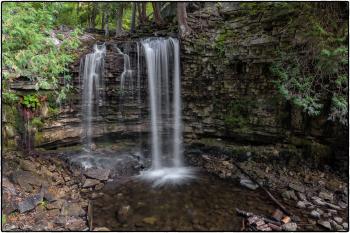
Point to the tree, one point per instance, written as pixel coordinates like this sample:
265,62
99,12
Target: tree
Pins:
184,29
156,14
143,19
133,16
119,20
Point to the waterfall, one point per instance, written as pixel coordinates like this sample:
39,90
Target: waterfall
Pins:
163,74
92,85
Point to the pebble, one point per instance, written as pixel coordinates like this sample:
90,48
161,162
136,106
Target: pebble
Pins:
297,187
289,194
301,204
290,226
326,196
318,201
325,224
315,214
345,225
330,205
336,226
301,196
338,220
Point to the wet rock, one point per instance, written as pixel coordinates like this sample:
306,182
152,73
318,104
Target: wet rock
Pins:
55,205
274,227
8,186
29,203
324,224
96,195
289,194
290,226
297,187
53,213
27,165
245,182
326,196
72,209
8,203
90,183
332,206
101,229
342,205
301,204
99,174
25,178
150,220
99,186
318,201
345,225
123,213
296,218
301,196
335,225
315,214
75,224
338,220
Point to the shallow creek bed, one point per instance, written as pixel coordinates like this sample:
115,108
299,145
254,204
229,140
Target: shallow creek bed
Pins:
46,191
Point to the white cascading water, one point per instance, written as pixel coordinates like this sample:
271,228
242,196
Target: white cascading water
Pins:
92,83
167,165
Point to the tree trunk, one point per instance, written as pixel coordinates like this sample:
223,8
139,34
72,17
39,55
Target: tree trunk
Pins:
103,20
156,14
94,14
106,25
133,15
119,21
143,14
184,29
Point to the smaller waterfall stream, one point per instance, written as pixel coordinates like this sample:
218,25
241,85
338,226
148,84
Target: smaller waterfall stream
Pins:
92,82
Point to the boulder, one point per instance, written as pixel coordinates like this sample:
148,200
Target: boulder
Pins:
29,203
90,183
99,174
72,209
290,226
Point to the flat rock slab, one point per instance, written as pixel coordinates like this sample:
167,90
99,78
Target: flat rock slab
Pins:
99,174
72,209
90,183
29,203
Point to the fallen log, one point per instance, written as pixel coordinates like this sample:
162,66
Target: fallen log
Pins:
263,188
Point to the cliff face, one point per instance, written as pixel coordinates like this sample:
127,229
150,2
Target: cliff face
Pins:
228,90
228,94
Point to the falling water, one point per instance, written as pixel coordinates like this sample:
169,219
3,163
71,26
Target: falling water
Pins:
92,93
163,71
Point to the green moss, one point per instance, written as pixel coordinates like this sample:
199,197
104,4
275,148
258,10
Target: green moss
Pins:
53,111
237,114
38,138
37,122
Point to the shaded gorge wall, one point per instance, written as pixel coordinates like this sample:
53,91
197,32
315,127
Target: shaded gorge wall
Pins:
230,99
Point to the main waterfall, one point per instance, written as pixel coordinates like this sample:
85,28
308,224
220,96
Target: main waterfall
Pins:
163,71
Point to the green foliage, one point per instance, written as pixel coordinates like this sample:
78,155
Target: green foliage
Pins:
28,43
3,219
314,70
30,101
9,97
238,113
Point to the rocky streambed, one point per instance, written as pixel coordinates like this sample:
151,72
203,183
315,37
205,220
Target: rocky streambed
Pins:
70,191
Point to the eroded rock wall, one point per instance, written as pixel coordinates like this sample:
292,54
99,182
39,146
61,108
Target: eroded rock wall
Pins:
229,94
